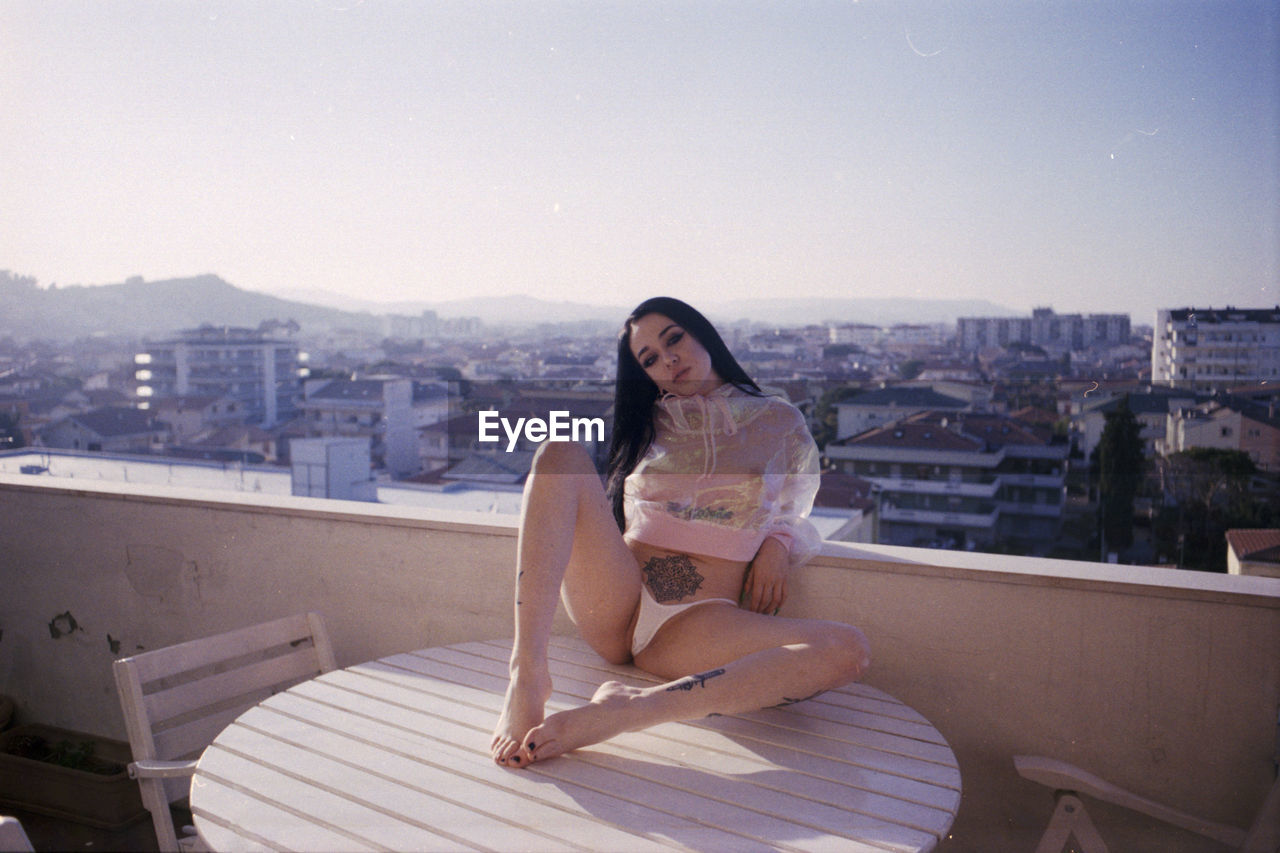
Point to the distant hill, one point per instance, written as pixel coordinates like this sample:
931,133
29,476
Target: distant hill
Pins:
527,310
511,310
157,308
152,308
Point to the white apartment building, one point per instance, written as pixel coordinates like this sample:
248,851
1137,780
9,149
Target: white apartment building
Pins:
258,371
380,409
859,334
1056,333
915,335
1202,349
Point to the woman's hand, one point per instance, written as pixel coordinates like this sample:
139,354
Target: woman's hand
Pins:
765,587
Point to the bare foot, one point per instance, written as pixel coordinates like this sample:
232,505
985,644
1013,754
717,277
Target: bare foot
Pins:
527,696
610,712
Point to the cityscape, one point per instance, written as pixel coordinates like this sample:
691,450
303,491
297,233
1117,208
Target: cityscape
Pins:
1089,436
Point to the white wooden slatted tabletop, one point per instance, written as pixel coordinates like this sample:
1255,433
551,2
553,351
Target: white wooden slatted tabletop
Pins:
393,755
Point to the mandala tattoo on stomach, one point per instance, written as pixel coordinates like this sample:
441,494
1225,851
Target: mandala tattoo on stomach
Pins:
671,578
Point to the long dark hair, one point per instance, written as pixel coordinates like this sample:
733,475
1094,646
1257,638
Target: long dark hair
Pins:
634,393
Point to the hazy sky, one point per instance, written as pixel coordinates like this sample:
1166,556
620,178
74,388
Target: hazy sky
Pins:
1092,156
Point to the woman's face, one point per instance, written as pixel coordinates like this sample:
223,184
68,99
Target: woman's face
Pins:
672,358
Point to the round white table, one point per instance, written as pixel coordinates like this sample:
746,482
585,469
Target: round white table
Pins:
393,754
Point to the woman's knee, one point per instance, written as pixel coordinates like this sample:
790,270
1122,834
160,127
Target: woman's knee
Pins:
562,457
848,651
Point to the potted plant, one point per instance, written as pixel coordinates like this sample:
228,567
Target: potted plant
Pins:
69,775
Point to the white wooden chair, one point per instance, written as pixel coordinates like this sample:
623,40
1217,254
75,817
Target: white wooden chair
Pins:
177,699
1070,818
13,838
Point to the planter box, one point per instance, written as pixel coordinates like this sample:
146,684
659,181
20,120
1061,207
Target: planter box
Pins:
95,799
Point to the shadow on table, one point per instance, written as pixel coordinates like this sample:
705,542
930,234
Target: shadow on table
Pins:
762,809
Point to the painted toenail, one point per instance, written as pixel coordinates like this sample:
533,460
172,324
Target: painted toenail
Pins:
532,745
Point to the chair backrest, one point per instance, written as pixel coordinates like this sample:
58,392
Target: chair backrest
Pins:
13,839
177,699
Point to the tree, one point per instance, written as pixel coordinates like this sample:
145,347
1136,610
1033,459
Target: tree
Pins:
1207,491
17,285
826,416
1120,471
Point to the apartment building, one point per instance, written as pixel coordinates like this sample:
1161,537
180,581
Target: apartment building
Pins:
858,334
1056,333
259,371
1206,349
909,335
881,406
1152,407
379,409
189,417
962,480
1231,424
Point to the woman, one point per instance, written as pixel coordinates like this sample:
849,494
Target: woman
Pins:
682,564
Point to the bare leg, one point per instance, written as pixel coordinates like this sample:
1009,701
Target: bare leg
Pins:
814,657
568,539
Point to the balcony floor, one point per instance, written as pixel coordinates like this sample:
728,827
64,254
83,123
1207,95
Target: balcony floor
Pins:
52,834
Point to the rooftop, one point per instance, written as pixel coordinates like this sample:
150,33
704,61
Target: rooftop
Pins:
929,436
1256,545
1226,315
906,397
349,389
231,475
115,421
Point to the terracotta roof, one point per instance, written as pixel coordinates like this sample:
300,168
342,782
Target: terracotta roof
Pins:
844,490
1255,545
1035,415
912,433
996,430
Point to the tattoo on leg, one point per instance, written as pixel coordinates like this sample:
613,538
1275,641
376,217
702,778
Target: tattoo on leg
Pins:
786,700
691,681
671,578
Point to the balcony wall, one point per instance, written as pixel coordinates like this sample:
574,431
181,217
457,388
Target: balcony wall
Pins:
1162,681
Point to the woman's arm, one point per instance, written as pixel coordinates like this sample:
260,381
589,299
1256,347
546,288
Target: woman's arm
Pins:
799,463
764,590
790,539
